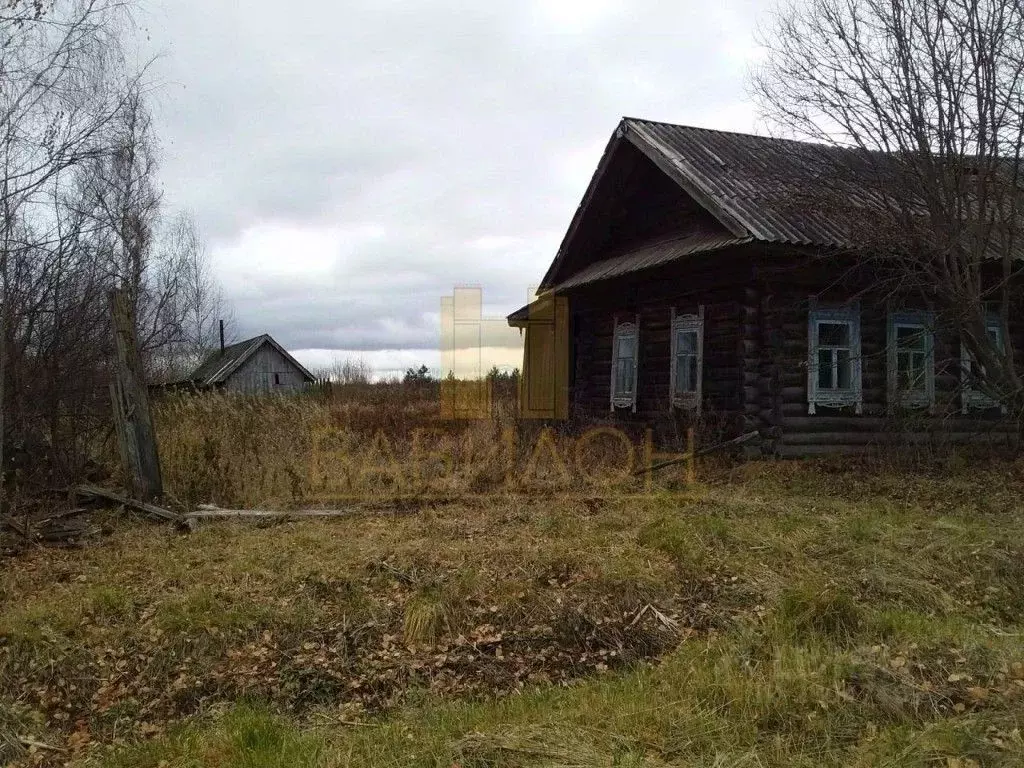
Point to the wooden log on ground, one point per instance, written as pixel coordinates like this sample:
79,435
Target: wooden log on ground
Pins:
58,527
151,510
697,454
66,530
222,514
210,512
18,527
59,515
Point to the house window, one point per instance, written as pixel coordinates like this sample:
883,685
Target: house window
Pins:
910,363
971,370
833,365
687,359
277,379
625,347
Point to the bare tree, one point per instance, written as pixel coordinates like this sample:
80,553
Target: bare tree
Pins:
163,264
347,371
928,95
199,301
80,214
62,83
119,190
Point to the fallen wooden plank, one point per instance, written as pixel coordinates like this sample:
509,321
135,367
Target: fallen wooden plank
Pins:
702,452
207,513
50,517
66,532
20,528
94,491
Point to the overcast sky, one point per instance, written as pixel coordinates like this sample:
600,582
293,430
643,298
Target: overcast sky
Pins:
351,162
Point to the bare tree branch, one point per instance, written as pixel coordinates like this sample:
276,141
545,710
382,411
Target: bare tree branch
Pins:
928,97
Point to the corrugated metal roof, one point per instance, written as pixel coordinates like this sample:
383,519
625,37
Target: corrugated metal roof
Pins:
649,256
779,190
758,187
646,257
520,315
539,307
215,368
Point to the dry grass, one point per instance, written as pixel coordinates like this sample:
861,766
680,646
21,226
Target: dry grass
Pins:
774,615
235,450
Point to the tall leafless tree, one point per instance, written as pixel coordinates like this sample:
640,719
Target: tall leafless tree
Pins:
62,83
930,96
162,263
349,370
122,201
198,300
79,215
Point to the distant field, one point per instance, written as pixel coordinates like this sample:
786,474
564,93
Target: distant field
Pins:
774,614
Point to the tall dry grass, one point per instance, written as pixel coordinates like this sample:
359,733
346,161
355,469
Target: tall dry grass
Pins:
372,442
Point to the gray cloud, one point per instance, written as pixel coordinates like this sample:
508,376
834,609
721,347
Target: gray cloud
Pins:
351,161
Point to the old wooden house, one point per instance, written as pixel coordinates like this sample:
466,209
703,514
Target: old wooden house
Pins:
686,290
257,365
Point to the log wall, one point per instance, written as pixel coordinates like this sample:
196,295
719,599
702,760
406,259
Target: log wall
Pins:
731,341
756,302
786,283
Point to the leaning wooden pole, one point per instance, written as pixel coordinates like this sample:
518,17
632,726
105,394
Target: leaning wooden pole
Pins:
132,417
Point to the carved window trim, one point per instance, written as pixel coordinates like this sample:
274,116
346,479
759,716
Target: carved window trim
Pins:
924,322
682,324
625,330
848,314
970,397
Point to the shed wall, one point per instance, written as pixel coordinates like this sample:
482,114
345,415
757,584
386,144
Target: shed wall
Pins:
266,371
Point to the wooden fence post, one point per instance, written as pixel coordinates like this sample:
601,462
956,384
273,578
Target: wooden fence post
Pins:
132,418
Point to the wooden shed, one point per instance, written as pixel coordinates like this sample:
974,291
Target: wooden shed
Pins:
256,365
698,292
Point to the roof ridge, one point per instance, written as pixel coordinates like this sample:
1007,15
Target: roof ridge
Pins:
745,134
240,343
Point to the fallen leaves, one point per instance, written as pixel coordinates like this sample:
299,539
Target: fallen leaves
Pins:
137,681
977,694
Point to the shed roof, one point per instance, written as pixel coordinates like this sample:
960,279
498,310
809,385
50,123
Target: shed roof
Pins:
219,365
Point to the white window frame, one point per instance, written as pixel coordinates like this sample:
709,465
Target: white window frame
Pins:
925,323
687,324
970,397
625,330
848,314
